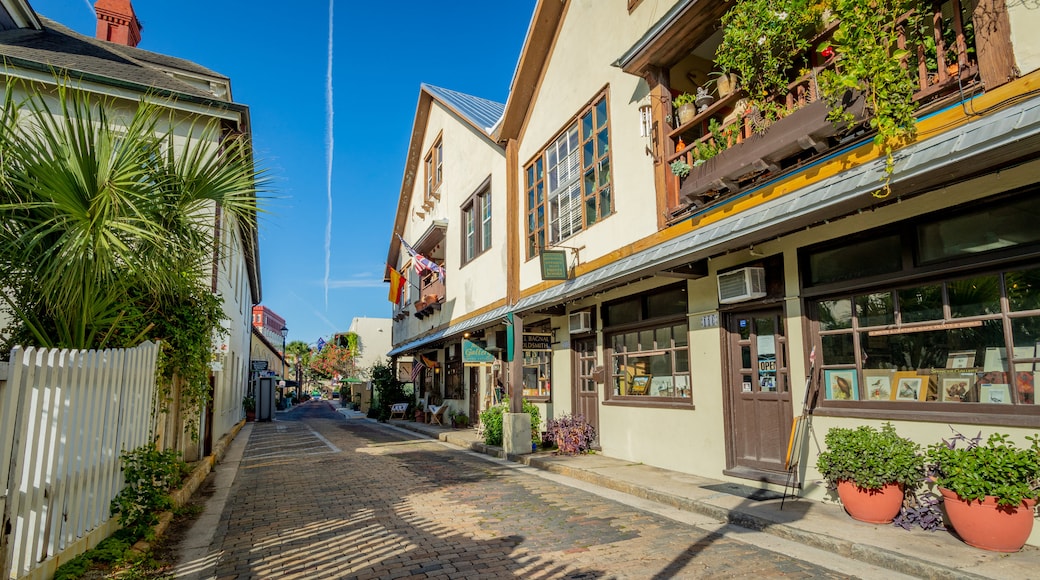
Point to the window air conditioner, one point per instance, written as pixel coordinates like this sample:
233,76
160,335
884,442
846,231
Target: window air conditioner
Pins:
580,322
741,285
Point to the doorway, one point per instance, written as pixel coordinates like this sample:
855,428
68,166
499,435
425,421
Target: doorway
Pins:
758,394
584,392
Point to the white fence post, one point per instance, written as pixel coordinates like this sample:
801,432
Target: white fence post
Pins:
67,416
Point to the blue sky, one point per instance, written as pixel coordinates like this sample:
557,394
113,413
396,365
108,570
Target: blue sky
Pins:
277,60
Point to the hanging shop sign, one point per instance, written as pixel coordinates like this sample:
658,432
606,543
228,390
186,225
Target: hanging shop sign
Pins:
554,264
473,353
258,365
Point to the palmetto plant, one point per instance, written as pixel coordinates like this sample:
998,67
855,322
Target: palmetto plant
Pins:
107,213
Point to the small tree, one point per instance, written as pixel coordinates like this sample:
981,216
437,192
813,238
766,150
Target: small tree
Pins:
388,389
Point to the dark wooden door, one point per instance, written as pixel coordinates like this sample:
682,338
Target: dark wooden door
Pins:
758,393
584,391
474,393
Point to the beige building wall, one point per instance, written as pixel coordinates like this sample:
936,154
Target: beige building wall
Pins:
592,36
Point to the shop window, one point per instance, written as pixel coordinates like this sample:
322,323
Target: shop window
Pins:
984,229
651,363
947,341
866,258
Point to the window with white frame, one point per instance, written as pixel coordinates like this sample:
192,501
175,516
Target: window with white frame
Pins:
568,185
476,224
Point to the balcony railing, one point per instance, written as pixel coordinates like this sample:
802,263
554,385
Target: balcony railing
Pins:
747,147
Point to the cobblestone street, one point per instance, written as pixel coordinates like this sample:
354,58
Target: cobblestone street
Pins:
318,496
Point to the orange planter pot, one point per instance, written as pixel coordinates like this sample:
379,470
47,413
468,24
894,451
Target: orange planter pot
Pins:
985,525
874,506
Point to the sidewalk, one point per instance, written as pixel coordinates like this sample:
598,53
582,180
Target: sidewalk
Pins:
808,522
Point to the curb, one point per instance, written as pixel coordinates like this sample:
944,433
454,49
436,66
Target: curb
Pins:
183,494
848,549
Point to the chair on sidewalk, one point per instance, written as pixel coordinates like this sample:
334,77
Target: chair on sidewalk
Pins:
437,414
397,410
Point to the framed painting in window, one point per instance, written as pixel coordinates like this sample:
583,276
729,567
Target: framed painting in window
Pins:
878,384
963,359
956,389
995,393
841,385
640,384
910,386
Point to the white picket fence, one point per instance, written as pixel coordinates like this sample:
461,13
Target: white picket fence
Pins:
65,417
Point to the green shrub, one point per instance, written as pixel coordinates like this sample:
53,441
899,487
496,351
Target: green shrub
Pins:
871,458
491,419
997,468
149,474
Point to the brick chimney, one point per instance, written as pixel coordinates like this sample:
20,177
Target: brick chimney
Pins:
116,22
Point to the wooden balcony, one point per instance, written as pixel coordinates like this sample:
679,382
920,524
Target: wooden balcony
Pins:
945,68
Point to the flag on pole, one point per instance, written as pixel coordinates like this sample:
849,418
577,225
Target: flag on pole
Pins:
321,343
422,263
397,282
417,367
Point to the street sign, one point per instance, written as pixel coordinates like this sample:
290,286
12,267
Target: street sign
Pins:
258,365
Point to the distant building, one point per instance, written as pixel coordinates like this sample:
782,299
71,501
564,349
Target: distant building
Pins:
269,324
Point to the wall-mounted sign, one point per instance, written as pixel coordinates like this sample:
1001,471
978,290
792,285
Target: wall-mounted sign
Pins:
537,342
473,353
554,264
258,365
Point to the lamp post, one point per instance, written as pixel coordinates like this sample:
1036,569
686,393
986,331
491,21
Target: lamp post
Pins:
284,332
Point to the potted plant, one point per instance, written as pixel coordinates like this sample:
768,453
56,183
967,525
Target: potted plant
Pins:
685,107
680,168
249,406
459,420
420,415
870,469
989,490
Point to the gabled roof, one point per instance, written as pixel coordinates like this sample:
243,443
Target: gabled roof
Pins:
65,51
481,113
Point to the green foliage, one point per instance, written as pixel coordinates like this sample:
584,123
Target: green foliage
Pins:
763,40
190,320
871,458
684,99
248,404
491,419
106,217
872,62
112,551
998,468
388,389
680,167
149,476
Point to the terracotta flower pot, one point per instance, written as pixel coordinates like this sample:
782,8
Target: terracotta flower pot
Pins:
686,113
984,524
874,506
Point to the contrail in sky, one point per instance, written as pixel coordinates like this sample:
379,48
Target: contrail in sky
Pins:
329,145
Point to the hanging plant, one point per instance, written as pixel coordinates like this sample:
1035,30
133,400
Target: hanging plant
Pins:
871,62
763,40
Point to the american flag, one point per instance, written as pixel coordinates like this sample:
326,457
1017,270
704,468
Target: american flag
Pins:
422,263
417,367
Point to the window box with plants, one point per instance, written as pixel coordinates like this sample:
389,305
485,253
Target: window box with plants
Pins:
989,490
871,468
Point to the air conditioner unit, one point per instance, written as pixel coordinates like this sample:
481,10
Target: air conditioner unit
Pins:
741,285
580,322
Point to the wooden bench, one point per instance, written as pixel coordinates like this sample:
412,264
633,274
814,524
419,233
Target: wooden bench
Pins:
397,410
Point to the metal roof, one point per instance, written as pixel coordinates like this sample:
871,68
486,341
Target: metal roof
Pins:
1012,128
480,112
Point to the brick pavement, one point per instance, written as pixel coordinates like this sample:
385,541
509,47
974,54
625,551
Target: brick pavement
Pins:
317,496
